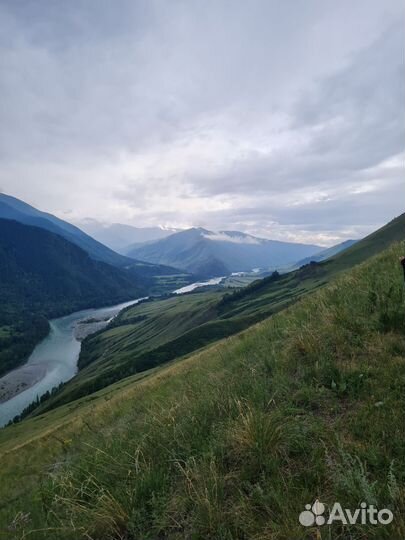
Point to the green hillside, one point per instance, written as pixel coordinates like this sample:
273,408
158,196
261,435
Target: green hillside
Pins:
125,347
147,335
394,231
327,253
232,442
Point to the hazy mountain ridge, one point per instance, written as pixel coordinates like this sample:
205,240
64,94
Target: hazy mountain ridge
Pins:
209,253
13,208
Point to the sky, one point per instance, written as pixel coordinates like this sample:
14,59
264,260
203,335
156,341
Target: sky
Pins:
281,118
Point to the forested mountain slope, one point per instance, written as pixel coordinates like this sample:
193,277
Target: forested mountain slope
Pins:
17,210
42,275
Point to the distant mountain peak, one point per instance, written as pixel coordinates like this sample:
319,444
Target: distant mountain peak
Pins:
207,253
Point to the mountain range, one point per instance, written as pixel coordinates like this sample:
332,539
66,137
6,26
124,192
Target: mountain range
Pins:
206,253
162,329
14,209
154,250
49,267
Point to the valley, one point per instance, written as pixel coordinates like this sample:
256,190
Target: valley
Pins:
54,360
202,270
43,275
245,411
158,331
199,374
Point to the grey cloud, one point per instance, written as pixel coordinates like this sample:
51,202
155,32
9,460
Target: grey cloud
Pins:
354,121
111,109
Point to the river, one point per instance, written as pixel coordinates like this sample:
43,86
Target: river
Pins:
54,360
192,286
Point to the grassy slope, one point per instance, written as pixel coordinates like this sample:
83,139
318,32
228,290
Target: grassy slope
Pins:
155,323
394,231
234,441
150,334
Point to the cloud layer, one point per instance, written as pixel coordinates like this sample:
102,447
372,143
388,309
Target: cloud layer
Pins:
281,119
233,238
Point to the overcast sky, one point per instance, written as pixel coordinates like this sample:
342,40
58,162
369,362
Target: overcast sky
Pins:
282,118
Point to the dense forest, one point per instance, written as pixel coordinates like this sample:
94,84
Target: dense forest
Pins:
42,275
